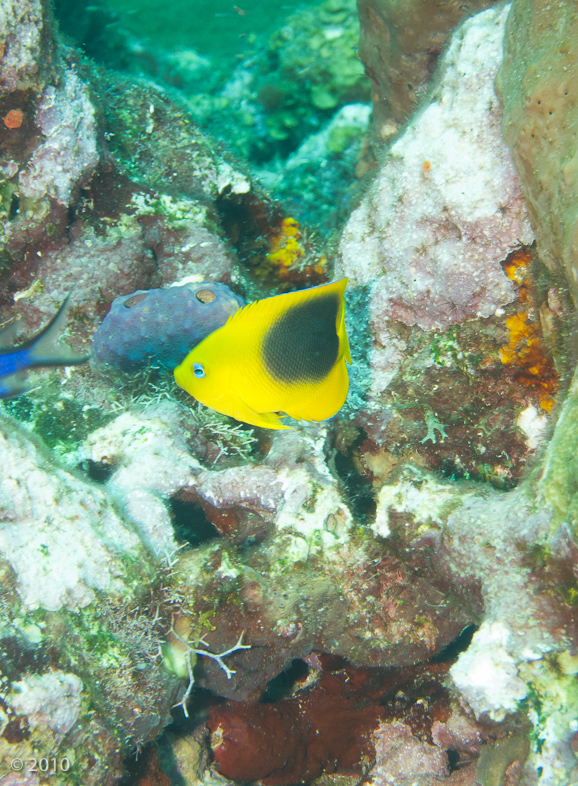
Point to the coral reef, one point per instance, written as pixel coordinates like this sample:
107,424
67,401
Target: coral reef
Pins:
463,223
389,595
35,535
323,44
450,365
307,71
315,194
284,90
290,504
115,171
52,150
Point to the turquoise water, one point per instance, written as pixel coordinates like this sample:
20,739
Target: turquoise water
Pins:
218,26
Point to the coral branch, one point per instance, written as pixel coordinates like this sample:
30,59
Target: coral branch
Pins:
190,651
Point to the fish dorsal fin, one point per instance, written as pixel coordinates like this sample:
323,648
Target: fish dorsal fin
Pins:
43,349
242,311
280,303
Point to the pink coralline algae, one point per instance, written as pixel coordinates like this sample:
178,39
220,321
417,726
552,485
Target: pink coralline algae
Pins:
427,241
67,157
96,267
401,757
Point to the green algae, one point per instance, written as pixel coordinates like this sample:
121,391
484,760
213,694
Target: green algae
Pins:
496,758
60,421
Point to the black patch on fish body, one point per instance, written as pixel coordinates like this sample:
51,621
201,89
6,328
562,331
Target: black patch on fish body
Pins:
303,345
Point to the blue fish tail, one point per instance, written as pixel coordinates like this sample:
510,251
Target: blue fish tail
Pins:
40,350
43,349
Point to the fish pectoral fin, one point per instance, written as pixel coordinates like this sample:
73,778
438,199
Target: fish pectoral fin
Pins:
247,414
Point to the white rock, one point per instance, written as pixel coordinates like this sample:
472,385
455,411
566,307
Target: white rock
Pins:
152,463
51,700
487,676
534,426
61,535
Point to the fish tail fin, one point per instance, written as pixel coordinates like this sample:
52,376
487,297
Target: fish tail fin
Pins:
8,334
43,349
14,385
344,350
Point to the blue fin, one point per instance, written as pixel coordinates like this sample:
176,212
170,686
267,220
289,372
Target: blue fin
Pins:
43,349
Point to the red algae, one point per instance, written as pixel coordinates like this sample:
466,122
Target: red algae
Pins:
327,728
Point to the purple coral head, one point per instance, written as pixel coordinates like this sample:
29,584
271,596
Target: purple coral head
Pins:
161,325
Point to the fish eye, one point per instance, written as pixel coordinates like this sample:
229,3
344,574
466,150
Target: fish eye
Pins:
198,370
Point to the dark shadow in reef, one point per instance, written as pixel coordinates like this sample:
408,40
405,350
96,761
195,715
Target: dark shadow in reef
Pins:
190,523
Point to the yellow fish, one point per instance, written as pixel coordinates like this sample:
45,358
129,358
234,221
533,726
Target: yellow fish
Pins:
284,354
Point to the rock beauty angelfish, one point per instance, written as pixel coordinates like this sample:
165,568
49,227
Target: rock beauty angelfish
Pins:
285,353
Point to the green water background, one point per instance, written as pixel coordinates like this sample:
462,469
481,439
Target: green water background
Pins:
212,27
